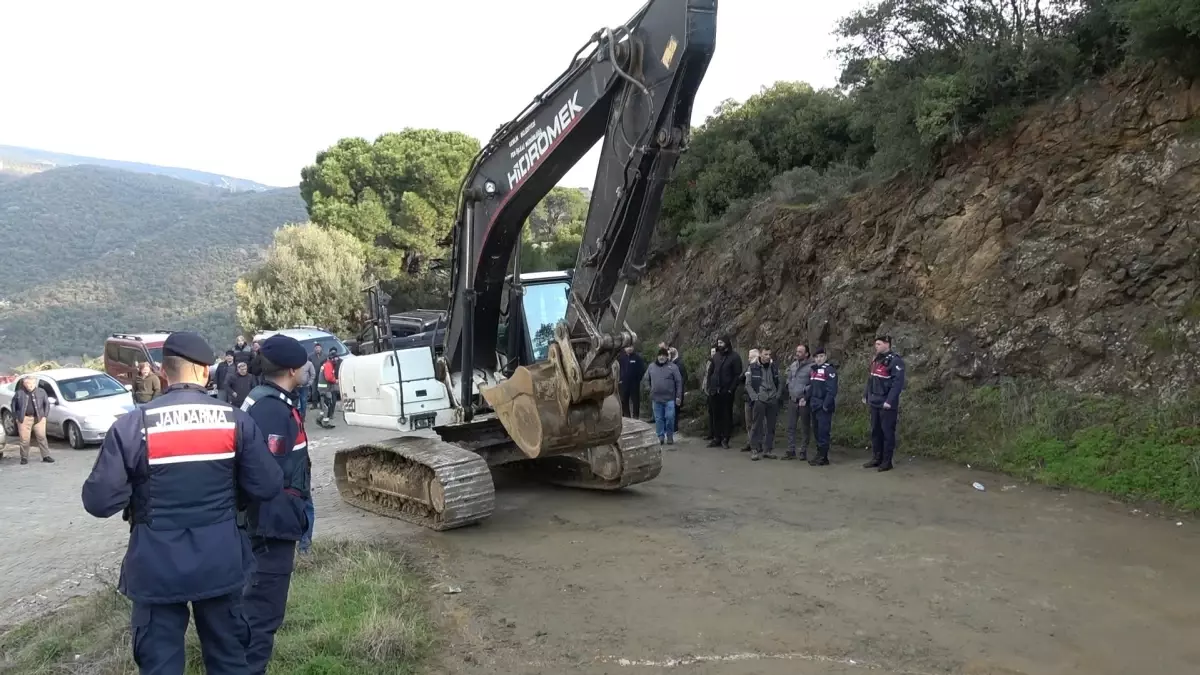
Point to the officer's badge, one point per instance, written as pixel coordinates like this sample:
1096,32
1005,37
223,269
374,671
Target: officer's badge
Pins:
275,445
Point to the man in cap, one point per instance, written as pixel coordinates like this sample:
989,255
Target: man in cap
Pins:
276,525
177,468
822,402
882,394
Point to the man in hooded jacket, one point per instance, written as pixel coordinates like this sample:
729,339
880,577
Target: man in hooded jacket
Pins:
723,381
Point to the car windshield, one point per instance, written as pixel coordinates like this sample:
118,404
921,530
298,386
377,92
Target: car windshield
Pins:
327,343
155,354
89,387
545,306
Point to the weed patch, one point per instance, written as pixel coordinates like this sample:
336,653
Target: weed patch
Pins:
1133,448
352,609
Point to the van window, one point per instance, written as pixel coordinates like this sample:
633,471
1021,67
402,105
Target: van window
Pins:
130,356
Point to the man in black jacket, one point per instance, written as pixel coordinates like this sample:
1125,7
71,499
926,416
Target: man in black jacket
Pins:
30,408
723,381
633,368
239,384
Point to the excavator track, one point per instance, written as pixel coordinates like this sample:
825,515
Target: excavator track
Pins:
637,459
423,481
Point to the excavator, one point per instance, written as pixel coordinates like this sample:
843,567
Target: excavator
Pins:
526,373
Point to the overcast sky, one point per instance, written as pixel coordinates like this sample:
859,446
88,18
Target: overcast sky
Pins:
254,89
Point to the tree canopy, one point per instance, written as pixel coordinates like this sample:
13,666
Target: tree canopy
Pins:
398,194
311,276
917,77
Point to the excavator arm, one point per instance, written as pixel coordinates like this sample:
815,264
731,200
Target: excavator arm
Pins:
632,88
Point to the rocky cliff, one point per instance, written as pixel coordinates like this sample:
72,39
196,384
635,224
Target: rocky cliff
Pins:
1065,249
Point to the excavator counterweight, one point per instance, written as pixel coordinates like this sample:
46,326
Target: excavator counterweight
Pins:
527,372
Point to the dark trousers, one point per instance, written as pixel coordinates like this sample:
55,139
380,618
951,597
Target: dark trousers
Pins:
799,416
158,636
631,403
710,405
301,400
762,425
266,598
822,426
330,398
723,419
883,433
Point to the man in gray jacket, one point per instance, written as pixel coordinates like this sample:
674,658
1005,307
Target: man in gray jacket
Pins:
666,395
763,388
308,378
798,385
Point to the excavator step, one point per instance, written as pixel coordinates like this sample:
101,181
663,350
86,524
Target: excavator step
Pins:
423,481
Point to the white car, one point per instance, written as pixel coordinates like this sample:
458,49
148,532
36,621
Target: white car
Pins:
309,337
84,403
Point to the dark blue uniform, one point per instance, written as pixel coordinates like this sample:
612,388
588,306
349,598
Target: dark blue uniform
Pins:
884,385
178,467
276,525
822,401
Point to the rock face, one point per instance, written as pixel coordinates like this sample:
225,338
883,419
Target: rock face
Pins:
1064,250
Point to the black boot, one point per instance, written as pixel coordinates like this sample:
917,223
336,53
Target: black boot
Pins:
790,454
48,460
873,463
821,459
725,443
714,443
803,455
886,466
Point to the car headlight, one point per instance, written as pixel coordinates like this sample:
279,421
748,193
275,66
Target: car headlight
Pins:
98,421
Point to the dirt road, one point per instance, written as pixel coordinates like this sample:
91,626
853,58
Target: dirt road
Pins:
727,567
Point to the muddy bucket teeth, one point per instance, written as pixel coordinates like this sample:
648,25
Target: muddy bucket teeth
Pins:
534,405
636,459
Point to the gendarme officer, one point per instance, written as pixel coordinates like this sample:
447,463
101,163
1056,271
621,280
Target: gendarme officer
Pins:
177,467
276,525
884,385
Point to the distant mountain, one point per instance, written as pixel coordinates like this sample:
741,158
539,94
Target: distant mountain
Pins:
92,250
15,160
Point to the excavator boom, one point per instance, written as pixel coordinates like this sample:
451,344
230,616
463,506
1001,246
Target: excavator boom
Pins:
632,88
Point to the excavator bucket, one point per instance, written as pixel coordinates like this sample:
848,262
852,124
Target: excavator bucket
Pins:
534,405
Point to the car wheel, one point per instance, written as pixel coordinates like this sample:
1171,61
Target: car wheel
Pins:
10,425
74,436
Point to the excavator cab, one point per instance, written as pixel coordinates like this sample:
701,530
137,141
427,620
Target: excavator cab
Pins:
534,303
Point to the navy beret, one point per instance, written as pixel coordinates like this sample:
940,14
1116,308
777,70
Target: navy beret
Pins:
284,351
190,347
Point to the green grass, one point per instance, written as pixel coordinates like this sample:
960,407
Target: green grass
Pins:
352,609
1137,447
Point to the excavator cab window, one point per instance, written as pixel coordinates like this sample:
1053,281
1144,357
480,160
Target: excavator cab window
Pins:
545,306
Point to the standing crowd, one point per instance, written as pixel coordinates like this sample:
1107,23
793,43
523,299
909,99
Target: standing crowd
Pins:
217,494
806,391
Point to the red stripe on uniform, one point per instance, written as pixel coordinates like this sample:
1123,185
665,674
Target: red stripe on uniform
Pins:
189,442
301,435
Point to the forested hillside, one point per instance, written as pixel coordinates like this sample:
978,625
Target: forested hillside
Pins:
93,250
16,160
1012,191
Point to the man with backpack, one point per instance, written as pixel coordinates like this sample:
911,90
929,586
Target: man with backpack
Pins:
328,386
